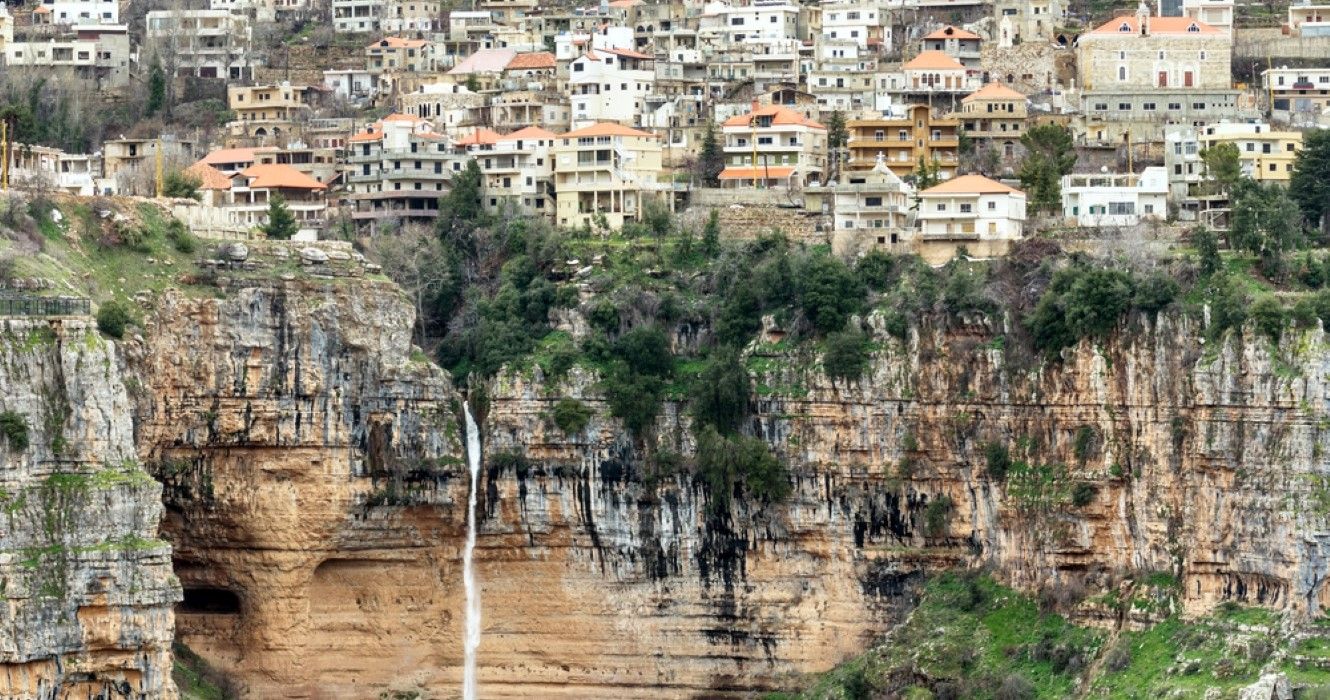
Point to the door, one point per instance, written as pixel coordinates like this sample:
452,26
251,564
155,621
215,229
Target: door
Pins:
1163,78
1186,79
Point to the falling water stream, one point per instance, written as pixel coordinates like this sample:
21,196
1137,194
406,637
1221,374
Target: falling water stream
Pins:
471,640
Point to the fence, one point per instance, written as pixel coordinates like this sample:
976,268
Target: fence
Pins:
44,306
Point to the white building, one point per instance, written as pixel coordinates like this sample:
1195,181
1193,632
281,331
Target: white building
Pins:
869,209
1309,19
98,53
1115,199
202,43
609,85
355,84
1216,13
82,11
356,16
733,25
856,21
982,215
518,170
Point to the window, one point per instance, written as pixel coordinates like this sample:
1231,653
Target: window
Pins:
992,206
965,208
1101,106
873,201
1121,208
1198,105
1272,167
577,67
941,206
1124,106
1122,73
1174,106
1148,106
736,21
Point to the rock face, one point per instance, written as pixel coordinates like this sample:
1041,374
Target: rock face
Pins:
86,589
316,494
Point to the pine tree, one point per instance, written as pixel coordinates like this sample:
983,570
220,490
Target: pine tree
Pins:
462,210
156,89
1049,154
711,235
712,160
837,136
1310,186
281,224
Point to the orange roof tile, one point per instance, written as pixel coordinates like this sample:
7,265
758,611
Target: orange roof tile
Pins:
932,60
1156,25
372,134
626,53
234,155
607,129
210,178
395,42
970,184
625,4
531,132
762,173
950,32
277,175
994,91
482,137
779,115
399,117
531,61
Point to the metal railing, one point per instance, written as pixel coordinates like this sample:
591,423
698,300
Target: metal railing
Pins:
44,306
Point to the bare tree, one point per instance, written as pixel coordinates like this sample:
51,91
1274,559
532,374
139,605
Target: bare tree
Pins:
414,258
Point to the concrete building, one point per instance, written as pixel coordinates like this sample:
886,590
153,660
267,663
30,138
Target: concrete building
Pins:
1021,21
1309,19
1266,155
202,43
1115,199
863,23
961,44
357,16
264,111
732,25
609,85
97,53
411,16
518,170
773,146
904,140
993,117
253,189
1300,96
397,169
607,170
869,209
983,215
934,72
1216,13
76,12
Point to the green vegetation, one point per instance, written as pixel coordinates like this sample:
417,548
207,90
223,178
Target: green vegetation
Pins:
196,679
997,460
1085,301
732,465
181,185
15,428
571,416
972,638
1310,185
281,225
846,356
113,317
722,393
1049,155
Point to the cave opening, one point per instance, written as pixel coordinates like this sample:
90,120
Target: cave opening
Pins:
215,601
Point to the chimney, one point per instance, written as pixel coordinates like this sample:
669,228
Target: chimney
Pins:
754,105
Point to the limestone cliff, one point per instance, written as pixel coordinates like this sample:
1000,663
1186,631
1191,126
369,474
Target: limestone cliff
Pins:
316,497
86,588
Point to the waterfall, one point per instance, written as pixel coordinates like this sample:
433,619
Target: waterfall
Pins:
471,640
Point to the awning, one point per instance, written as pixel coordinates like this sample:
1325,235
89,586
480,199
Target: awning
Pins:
761,173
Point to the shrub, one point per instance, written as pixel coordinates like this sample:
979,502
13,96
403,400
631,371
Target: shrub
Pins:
936,515
1015,687
729,462
1083,444
1082,494
722,392
181,238
1268,314
1155,293
113,317
828,292
15,428
876,270
998,460
571,416
633,398
1228,304
846,357
1080,302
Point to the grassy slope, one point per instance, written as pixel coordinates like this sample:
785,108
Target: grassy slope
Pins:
970,634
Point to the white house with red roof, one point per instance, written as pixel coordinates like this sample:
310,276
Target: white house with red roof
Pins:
961,44
518,169
253,188
973,211
610,85
398,168
935,72
773,146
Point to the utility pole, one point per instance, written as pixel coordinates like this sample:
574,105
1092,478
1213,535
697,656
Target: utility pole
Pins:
4,154
159,168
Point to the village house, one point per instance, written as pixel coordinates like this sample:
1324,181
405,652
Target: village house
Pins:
202,43
993,118
1265,154
518,170
1300,96
971,211
253,188
605,170
397,169
1309,19
960,44
264,111
357,16
1115,199
609,85
869,209
97,53
773,146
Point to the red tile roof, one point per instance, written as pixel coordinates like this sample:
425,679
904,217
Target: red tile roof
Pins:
950,32
210,178
394,42
932,60
531,132
482,137
531,61
779,115
607,129
994,91
971,184
761,173
1156,25
277,175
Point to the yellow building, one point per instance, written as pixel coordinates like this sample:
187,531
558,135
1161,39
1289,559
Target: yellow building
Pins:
993,117
607,169
1265,154
903,140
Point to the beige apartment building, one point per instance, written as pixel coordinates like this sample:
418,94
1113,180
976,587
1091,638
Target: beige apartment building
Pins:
993,118
1265,154
607,169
